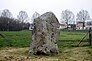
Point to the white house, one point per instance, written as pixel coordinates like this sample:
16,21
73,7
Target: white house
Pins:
71,24
88,24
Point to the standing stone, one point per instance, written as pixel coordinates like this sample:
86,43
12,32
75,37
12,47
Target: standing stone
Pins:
45,35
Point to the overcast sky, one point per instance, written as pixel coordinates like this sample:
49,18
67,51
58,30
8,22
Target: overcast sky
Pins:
42,6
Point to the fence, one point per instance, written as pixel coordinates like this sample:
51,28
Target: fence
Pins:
75,38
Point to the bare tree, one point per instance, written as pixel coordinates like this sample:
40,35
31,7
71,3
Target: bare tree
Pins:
35,15
0,13
6,13
67,16
23,16
23,19
83,15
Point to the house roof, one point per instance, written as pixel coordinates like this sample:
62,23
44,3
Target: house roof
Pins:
83,21
88,21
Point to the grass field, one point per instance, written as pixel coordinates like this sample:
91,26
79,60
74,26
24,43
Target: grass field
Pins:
15,46
15,39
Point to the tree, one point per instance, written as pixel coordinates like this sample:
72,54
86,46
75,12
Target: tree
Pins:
83,15
8,23
35,15
6,13
23,16
0,13
67,16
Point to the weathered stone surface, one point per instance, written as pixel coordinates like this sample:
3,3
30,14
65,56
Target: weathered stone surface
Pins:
45,35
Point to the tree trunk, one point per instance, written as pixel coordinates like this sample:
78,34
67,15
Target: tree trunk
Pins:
67,24
83,25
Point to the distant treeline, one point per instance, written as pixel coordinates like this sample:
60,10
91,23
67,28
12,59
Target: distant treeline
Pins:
8,23
11,24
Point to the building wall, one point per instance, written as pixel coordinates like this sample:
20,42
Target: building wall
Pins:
88,24
79,26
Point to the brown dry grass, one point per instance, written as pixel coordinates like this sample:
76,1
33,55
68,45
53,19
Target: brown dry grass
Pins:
66,54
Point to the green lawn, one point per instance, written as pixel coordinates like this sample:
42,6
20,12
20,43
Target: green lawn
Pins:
15,47
15,39
23,38
72,35
72,38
